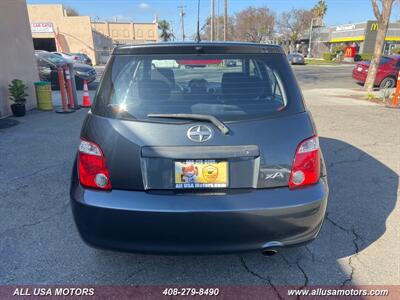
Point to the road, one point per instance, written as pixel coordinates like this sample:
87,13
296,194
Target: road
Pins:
319,76
358,243
309,76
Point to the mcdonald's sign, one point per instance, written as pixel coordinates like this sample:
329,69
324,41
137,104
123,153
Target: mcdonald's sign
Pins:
374,26
350,52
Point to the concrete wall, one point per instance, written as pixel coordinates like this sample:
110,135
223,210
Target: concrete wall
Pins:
16,52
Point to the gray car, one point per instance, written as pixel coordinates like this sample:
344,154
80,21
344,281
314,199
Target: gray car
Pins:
201,160
296,59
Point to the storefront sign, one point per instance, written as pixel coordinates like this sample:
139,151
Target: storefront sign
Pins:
42,27
345,27
350,52
374,26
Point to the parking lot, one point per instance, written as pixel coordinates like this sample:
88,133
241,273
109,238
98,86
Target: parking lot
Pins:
358,243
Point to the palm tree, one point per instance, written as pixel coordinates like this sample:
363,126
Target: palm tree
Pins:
320,9
166,34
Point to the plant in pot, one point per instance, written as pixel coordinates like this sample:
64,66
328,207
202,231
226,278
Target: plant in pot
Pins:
17,95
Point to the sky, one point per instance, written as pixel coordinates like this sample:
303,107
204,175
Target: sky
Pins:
339,11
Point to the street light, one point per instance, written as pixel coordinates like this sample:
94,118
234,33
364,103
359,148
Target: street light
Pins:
310,39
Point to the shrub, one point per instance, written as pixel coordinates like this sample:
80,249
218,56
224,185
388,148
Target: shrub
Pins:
338,48
366,56
17,91
328,56
395,50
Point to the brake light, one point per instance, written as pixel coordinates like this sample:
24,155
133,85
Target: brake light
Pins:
306,164
92,168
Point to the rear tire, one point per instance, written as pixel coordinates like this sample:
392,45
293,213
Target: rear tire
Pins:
387,83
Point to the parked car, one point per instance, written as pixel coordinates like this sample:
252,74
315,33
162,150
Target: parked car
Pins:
386,77
219,161
67,56
47,65
296,58
231,63
83,58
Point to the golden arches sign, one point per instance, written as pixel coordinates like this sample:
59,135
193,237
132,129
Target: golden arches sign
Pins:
348,52
374,26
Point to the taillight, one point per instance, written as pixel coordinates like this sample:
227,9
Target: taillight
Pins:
306,164
92,168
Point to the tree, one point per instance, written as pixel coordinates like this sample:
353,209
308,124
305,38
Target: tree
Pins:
206,29
166,34
319,10
383,17
70,11
293,23
254,24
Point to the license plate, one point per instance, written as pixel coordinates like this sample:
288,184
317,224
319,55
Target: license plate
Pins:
197,174
359,69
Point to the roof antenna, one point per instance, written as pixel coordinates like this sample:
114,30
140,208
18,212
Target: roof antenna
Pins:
198,39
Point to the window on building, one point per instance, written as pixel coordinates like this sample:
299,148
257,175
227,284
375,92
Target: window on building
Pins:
150,34
114,33
140,33
126,33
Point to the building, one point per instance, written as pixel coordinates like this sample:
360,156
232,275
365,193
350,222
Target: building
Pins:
17,58
363,36
54,30
128,33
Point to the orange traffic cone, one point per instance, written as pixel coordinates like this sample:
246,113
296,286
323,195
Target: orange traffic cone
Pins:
396,95
86,98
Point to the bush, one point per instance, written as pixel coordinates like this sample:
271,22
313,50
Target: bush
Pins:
17,91
395,50
366,56
328,56
338,48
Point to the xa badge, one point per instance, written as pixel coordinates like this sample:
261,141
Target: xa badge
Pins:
274,176
199,133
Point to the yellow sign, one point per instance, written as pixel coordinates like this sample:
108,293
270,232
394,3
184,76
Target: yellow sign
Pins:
374,26
201,174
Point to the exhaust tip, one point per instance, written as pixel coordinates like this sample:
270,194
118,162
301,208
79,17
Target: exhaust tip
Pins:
269,252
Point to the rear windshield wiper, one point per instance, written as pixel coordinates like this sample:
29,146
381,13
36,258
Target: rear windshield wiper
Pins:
221,126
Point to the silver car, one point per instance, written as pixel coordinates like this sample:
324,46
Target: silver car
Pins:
296,59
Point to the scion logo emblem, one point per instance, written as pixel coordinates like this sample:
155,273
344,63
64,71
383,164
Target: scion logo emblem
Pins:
199,133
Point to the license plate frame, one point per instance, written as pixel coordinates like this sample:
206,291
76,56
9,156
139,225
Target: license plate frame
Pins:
201,174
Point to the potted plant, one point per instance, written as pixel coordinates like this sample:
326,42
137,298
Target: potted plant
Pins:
17,95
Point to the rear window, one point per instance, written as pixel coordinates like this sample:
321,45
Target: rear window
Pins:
231,87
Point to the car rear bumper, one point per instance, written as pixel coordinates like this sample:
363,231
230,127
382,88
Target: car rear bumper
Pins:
359,76
157,222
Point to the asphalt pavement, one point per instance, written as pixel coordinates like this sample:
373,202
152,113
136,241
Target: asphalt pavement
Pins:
357,245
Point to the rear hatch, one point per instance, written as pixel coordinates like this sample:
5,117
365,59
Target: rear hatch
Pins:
165,126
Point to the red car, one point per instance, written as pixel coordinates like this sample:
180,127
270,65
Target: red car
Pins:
386,76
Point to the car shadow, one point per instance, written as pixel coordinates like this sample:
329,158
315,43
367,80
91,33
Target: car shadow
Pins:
363,193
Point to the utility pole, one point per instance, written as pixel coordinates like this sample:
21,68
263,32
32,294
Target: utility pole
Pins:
217,34
225,20
212,20
182,14
310,40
